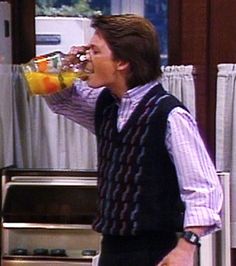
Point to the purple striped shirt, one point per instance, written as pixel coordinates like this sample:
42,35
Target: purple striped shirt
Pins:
199,185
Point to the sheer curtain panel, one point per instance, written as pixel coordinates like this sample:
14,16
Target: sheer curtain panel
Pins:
43,139
226,130
179,81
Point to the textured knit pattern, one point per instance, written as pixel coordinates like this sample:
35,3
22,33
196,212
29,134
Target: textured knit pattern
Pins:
138,188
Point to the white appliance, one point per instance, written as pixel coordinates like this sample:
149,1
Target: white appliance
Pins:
5,33
6,120
60,33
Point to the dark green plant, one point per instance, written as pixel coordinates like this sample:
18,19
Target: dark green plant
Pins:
76,8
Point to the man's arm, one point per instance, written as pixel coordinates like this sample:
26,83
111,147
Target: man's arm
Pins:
77,103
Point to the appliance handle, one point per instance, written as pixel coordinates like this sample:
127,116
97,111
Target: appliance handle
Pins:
87,183
45,226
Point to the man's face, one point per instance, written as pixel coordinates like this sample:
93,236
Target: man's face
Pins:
101,64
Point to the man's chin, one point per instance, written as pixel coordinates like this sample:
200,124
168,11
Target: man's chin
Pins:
93,84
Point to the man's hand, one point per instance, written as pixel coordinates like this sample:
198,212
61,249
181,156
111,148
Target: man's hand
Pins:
181,255
76,58
78,49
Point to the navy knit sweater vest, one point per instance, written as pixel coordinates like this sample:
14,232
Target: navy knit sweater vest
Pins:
137,182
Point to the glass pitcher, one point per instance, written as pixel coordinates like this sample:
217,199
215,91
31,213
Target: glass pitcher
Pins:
53,72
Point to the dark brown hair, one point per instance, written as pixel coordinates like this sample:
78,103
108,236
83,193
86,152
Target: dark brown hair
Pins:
134,39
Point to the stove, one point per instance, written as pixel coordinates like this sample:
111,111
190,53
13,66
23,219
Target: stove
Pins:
47,217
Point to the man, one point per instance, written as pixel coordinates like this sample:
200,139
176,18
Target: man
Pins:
155,177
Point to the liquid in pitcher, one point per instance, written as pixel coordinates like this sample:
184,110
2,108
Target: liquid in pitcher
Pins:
54,72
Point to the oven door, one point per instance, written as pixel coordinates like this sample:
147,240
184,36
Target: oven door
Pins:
48,209
45,202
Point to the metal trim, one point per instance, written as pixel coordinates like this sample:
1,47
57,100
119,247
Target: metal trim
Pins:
45,226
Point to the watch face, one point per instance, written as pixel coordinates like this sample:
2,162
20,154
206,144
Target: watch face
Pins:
191,237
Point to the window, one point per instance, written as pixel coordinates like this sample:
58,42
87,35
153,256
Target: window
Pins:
155,10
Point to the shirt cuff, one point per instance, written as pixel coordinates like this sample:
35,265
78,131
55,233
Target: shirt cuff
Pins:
206,217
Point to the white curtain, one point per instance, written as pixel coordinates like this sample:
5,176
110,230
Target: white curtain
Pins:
226,130
34,137
225,115
6,118
43,139
179,81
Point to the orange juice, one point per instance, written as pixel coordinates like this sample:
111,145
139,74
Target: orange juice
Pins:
50,73
41,83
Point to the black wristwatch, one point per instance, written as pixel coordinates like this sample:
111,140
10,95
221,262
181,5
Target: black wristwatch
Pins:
191,237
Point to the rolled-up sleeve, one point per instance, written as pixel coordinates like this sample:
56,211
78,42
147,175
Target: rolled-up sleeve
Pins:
199,184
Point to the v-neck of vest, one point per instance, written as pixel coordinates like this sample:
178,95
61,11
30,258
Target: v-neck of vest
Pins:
139,109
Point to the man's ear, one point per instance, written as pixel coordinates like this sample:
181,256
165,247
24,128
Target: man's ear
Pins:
122,65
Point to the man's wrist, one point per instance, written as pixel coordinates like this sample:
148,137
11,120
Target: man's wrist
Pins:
191,237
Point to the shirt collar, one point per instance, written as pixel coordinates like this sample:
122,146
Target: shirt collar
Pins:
137,93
